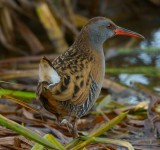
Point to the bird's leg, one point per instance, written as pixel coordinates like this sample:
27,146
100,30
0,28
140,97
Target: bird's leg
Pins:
67,124
74,129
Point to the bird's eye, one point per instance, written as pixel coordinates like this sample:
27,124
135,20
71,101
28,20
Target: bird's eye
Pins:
109,26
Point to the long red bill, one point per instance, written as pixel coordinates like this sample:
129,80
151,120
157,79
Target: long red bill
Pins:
122,31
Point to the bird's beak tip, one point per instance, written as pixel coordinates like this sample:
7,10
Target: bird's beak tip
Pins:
125,32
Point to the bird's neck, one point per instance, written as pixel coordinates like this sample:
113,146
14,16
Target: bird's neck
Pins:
88,47
87,42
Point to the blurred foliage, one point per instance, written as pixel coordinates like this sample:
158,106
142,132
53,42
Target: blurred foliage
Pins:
34,27
43,26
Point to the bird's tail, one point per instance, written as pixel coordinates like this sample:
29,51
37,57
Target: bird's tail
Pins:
47,73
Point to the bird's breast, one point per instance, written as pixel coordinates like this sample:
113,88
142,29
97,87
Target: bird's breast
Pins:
98,69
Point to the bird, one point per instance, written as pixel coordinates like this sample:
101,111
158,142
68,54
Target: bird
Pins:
69,85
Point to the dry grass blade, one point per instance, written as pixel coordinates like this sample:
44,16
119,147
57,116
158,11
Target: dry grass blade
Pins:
13,5
15,140
17,86
54,32
112,141
69,10
108,125
19,102
7,24
10,47
33,42
80,20
26,59
143,89
7,75
25,132
103,128
64,20
117,88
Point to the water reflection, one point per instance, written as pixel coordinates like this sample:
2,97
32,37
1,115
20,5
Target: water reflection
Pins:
158,61
128,78
146,58
153,42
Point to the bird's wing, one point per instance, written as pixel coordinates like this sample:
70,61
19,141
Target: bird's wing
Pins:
75,81
69,78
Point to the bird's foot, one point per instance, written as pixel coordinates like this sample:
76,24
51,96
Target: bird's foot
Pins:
66,123
72,128
75,133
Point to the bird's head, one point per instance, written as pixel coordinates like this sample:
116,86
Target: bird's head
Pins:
100,29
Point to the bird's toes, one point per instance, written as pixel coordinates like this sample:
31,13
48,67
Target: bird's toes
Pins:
75,134
66,123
